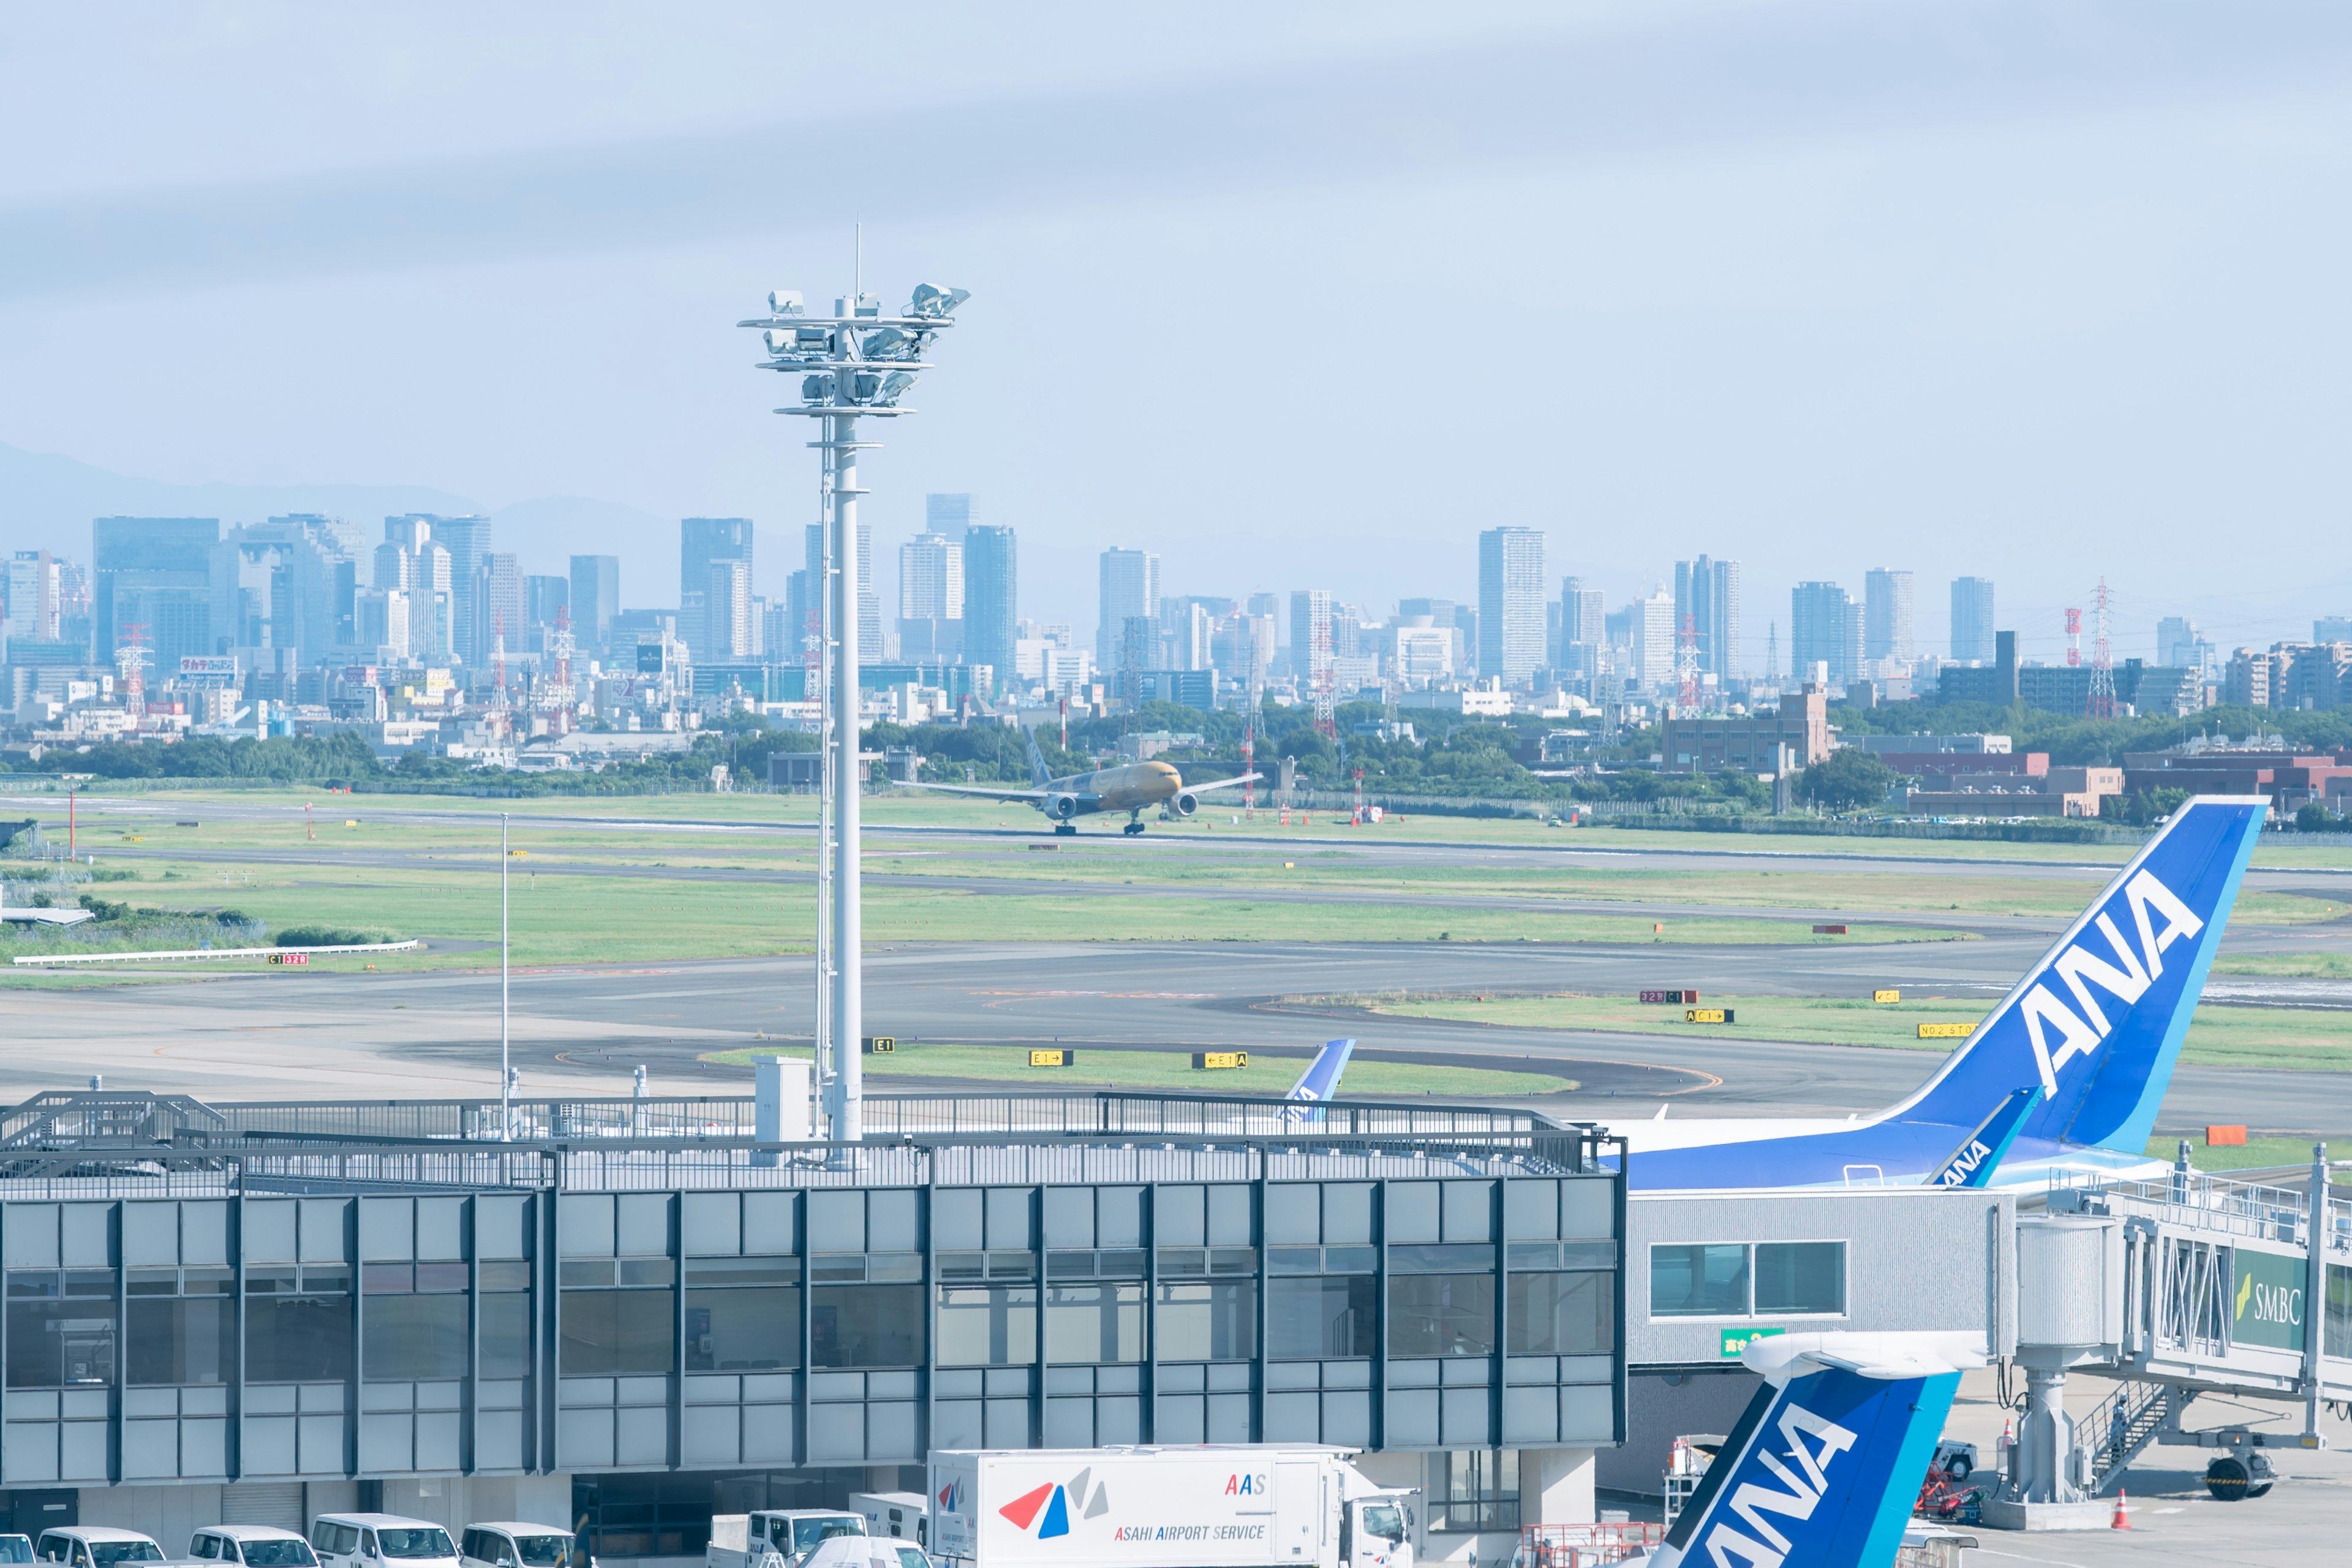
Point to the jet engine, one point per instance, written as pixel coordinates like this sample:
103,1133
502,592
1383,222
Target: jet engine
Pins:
1062,807
1184,804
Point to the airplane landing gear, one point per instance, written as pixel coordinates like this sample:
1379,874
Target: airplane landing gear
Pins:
1134,822
1132,827
1069,828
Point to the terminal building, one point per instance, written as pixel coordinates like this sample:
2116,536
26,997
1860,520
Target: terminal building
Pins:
633,1314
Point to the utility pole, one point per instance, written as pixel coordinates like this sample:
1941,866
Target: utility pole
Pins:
506,1070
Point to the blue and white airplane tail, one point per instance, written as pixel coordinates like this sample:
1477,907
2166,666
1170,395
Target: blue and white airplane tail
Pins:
2095,1027
1825,1466
1318,1083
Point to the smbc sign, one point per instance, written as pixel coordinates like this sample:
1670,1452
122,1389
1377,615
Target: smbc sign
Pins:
2268,1308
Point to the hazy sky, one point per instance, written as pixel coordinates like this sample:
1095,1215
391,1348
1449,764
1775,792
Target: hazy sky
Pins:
1294,295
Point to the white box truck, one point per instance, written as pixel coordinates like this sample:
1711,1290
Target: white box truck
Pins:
1217,1506
901,1516
775,1538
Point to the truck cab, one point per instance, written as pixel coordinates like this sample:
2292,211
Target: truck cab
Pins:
786,1536
1376,1530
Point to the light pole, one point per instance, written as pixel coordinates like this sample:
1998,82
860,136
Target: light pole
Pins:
855,363
506,1074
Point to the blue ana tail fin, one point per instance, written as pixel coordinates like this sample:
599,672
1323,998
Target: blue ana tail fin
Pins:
1319,1083
2098,1022
1825,1466
1982,1150
1038,777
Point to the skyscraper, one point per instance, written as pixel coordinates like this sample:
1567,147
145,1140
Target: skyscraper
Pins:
1972,620
1706,599
1128,587
31,598
468,540
1651,633
701,541
285,585
930,597
990,599
1510,604
1824,628
156,572
952,515
728,632
498,607
1582,631
2175,641
1887,615
544,597
595,598
1310,620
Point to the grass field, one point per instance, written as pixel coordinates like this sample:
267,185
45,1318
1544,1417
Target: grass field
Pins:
2287,965
2218,1036
1368,1078
2256,1153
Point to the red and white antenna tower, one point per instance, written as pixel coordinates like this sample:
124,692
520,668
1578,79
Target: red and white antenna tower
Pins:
1326,683
130,664
1687,669
2073,640
2102,701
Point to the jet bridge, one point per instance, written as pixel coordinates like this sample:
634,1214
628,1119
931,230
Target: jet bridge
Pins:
2186,1285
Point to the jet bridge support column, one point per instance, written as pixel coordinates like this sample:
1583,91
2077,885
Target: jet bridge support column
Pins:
2314,1294
2070,1313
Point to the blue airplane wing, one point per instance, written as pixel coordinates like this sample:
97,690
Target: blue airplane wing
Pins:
2096,1024
1826,1465
1319,1083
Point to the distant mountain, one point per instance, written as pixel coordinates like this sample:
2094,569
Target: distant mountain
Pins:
47,501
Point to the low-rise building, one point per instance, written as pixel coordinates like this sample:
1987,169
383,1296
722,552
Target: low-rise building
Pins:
2265,765
1753,743
2054,792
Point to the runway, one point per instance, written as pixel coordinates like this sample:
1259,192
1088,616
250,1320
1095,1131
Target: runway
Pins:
581,1029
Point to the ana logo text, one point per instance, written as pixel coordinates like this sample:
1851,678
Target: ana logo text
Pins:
1963,1165
2079,1034
1768,1548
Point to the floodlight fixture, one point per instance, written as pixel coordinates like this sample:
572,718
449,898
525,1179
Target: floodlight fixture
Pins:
854,362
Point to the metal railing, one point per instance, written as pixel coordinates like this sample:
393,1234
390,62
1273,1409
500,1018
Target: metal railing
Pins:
1585,1546
2254,1210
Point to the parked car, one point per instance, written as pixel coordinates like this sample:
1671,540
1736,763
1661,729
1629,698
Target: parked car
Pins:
254,1545
504,1544
380,1540
96,1546
16,1548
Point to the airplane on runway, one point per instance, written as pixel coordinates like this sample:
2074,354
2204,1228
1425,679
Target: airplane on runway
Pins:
1318,1083
1824,1467
1131,787
2093,1030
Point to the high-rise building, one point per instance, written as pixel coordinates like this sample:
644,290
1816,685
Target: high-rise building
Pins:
1128,587
498,607
1972,628
595,598
1187,625
33,612
468,540
702,540
155,573
2175,641
1310,631
1510,604
544,597
930,597
952,515
1707,600
2326,629
1824,628
285,585
1651,634
727,631
992,562
1887,615
1582,628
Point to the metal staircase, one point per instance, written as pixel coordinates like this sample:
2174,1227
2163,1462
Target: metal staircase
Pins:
2125,1422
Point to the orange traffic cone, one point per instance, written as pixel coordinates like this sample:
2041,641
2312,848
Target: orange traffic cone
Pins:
2123,1513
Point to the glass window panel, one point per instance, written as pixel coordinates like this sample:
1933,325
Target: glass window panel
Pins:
151,1282
1093,1324
1441,1258
988,1325
298,1338
1442,1315
505,1336
1801,1276
743,1271
1309,1319
1475,1489
586,1274
334,1277
60,1344
187,1340
414,1337
648,1271
209,1281
90,1283
1562,1314
742,1329
1294,1261
1351,1259
440,1276
506,1274
618,1333
1207,1323
2336,1327
387,1278
1122,1263
36,1282
280,1280
1699,1280
866,1325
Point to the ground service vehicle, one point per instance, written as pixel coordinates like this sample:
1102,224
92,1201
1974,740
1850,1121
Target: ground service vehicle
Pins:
1217,1506
16,1548
788,1535
96,1546
507,1544
901,1514
381,1541
251,1545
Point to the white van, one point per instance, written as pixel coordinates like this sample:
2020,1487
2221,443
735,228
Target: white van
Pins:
96,1546
253,1545
505,1544
381,1541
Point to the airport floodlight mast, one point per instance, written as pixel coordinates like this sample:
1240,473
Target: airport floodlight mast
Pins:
854,364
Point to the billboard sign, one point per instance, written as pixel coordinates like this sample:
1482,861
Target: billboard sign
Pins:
210,670
649,658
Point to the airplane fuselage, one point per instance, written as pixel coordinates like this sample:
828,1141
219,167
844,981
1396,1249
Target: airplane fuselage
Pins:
1130,786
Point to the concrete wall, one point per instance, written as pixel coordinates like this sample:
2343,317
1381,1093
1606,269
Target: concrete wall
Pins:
1917,1257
